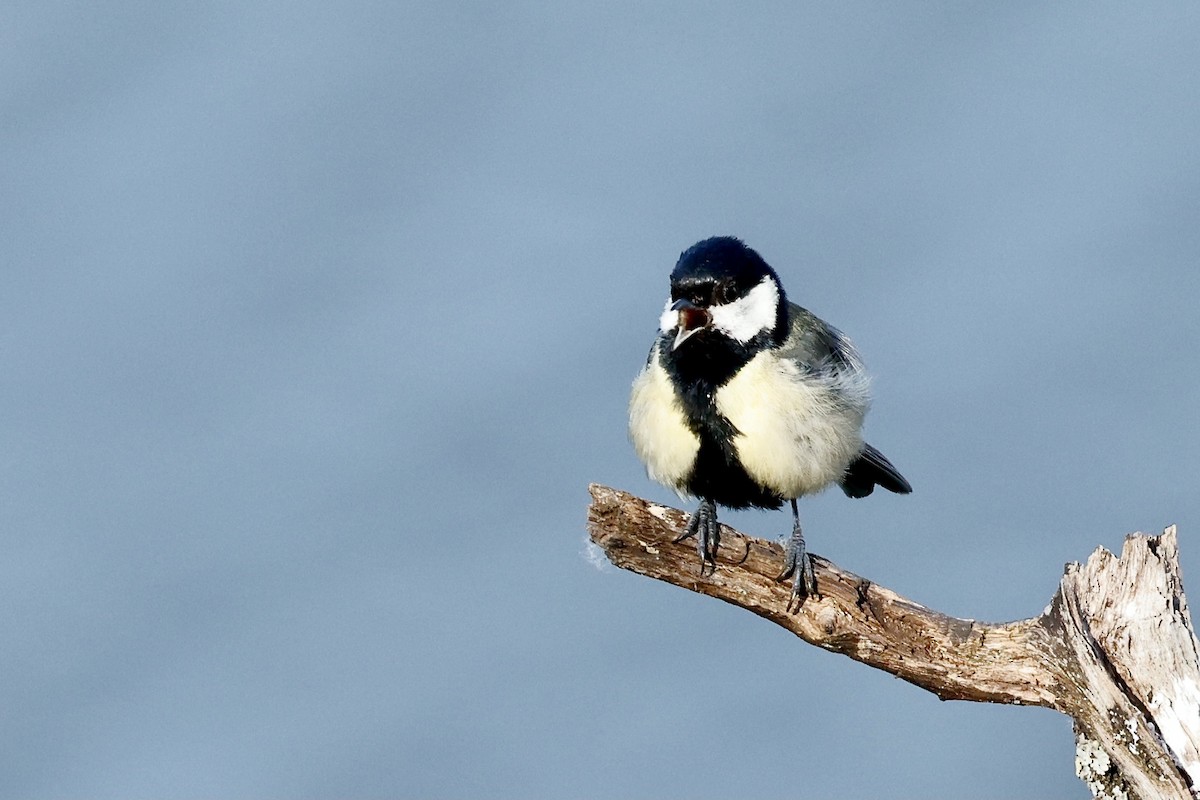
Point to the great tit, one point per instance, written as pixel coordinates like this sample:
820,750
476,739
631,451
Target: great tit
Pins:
747,400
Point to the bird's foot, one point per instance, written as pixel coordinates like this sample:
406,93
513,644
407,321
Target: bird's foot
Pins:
704,526
798,566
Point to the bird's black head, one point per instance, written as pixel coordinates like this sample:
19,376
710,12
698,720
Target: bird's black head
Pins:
723,296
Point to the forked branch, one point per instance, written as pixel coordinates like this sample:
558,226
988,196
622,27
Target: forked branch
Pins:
1114,650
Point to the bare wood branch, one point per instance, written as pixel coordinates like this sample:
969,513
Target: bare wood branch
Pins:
1137,665
956,659
1094,654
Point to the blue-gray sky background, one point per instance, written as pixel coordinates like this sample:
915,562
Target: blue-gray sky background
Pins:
318,319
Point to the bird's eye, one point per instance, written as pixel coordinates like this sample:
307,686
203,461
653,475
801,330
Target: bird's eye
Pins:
724,292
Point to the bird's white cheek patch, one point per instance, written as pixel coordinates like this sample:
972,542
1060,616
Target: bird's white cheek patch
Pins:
658,428
668,320
794,437
745,318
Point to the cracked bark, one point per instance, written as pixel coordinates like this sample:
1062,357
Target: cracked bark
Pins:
1114,650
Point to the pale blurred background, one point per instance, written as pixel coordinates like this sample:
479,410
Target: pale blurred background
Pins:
318,319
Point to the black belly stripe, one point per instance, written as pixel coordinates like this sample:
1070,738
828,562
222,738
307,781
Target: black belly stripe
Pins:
697,370
717,473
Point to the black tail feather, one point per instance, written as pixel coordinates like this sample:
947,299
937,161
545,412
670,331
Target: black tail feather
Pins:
869,470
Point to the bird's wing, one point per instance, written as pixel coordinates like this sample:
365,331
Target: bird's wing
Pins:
827,353
823,350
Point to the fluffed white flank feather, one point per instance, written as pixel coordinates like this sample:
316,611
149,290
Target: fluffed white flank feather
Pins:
658,427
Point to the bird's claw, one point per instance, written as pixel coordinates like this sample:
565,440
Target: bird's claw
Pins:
798,566
704,526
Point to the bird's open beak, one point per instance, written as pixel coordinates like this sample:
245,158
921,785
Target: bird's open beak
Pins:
692,318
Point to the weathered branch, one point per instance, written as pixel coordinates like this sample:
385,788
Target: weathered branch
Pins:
1115,649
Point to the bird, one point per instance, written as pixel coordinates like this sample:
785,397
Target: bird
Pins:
747,400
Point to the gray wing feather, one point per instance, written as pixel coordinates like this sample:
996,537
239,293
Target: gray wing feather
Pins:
827,353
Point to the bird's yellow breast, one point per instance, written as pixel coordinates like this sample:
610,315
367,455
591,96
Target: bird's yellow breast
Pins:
795,435
658,427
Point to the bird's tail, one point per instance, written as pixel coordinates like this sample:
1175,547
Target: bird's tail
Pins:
869,470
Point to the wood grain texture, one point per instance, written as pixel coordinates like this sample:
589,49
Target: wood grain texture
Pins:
1115,648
